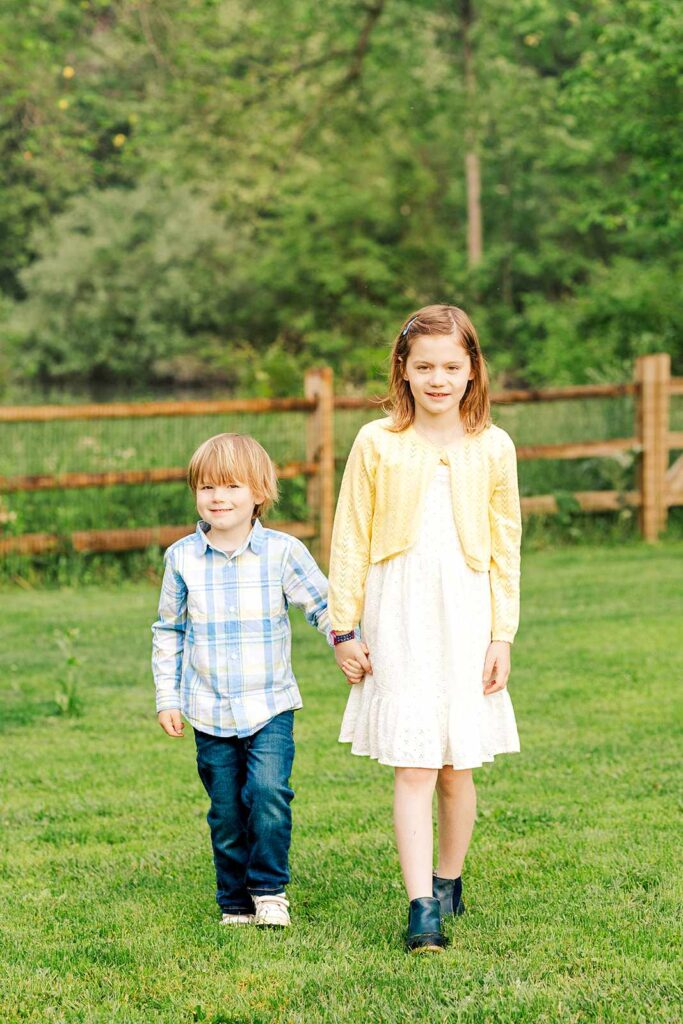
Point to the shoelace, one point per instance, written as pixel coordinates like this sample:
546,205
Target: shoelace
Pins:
273,901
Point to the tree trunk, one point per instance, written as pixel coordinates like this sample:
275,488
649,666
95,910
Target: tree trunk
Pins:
472,166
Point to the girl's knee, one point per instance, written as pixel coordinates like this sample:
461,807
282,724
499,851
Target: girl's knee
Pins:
416,778
453,780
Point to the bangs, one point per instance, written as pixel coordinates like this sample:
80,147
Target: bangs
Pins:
218,465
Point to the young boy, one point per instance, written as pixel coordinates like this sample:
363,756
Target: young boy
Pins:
222,658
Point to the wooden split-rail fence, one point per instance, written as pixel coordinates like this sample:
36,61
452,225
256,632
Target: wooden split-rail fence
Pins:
659,486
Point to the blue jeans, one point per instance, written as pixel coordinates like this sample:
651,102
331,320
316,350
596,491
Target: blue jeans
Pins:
250,818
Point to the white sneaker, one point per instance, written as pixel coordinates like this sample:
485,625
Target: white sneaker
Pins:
237,919
272,910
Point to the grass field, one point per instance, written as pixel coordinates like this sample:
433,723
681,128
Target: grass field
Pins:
106,883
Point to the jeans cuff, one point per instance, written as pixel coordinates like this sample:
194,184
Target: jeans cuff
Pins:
279,890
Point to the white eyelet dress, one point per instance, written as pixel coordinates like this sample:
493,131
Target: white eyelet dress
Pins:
427,623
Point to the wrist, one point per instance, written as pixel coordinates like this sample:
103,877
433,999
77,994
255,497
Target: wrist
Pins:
339,637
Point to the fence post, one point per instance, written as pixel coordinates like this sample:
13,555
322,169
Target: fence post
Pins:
652,376
319,386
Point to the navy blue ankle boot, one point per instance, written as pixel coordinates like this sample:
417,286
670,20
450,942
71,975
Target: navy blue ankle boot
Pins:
424,926
448,892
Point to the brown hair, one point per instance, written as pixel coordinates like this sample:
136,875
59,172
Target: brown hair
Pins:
235,459
475,407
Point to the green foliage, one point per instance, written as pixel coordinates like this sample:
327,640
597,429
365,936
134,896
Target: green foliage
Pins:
68,697
217,193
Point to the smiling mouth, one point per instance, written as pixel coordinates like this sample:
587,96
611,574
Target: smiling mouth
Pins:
438,394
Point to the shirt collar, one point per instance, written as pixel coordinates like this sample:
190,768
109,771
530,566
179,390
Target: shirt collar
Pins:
255,540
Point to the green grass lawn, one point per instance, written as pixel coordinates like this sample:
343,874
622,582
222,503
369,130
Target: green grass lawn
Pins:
106,882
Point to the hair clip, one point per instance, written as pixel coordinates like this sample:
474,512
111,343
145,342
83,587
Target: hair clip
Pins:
408,326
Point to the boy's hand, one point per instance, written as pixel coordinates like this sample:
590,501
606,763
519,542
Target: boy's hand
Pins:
496,667
353,650
172,723
353,671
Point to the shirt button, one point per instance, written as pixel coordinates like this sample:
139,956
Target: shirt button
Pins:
233,656
232,608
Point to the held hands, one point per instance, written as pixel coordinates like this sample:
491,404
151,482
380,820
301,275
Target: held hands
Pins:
172,723
353,672
352,658
496,667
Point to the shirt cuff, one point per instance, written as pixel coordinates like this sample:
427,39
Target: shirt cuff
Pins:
507,638
169,701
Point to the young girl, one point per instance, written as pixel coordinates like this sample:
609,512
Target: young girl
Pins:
425,549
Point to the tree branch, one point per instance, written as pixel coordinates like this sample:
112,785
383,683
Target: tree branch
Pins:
352,75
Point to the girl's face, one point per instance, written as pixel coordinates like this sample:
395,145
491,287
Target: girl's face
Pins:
437,369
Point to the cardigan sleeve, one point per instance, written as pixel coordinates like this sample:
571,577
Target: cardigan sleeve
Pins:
506,531
351,536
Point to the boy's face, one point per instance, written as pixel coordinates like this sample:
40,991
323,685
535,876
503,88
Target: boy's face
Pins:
227,508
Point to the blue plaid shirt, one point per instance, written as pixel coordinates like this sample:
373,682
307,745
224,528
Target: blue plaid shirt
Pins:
222,642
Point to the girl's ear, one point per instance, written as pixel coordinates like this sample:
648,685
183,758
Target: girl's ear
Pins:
402,368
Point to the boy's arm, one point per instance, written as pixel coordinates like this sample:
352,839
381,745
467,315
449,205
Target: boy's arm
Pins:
506,531
168,638
305,586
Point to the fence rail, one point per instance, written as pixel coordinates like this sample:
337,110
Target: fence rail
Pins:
147,410
660,486
69,481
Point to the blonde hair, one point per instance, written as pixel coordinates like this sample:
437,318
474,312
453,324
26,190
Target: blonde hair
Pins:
235,459
475,406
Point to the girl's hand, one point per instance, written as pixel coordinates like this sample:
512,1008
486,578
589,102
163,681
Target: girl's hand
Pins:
172,723
353,672
353,650
496,667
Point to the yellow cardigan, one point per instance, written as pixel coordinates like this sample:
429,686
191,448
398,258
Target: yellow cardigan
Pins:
381,497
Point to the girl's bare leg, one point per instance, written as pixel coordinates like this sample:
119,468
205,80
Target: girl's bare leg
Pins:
413,794
457,800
